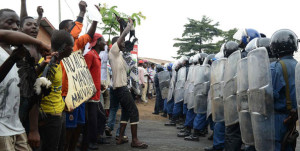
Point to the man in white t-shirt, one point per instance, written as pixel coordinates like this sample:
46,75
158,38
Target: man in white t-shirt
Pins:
121,92
12,133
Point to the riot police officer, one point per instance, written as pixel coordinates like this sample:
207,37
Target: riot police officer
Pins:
283,44
244,36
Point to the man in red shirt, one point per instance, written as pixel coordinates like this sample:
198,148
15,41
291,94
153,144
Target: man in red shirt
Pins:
96,118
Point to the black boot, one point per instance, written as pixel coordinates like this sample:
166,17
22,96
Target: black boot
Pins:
171,123
180,127
164,115
182,130
193,137
211,148
170,116
186,133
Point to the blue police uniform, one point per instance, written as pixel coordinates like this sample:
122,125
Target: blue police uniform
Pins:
219,135
280,107
200,122
189,120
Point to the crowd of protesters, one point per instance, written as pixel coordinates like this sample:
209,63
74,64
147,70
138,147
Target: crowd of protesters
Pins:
37,119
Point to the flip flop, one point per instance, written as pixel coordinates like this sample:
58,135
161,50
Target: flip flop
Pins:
140,146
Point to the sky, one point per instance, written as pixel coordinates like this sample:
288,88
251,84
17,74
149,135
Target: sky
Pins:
166,18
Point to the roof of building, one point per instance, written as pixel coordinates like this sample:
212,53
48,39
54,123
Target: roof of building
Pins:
153,60
45,23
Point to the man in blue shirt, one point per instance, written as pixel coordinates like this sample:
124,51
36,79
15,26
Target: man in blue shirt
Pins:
283,44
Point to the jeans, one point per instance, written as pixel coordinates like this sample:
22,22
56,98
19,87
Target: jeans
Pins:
189,120
219,135
165,110
200,121
170,106
177,110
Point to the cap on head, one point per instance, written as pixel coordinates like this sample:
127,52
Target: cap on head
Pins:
95,39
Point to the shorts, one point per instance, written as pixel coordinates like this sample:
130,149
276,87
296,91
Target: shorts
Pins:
129,109
76,117
15,142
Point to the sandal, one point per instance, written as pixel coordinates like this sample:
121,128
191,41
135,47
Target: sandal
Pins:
140,146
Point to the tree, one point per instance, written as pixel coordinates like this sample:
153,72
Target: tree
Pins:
111,26
197,37
227,36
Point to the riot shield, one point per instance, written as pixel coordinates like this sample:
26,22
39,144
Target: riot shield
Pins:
209,98
172,86
164,82
190,98
230,108
179,92
202,85
260,99
217,84
297,85
242,102
187,84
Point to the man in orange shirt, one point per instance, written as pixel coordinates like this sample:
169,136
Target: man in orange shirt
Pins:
77,116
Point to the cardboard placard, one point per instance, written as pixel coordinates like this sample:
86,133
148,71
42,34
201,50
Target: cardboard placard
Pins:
80,82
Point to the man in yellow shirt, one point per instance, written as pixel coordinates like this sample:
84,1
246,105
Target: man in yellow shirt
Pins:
52,105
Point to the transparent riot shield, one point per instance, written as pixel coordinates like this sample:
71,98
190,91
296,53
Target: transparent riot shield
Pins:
260,99
230,107
217,84
201,88
242,102
164,83
190,88
209,98
187,84
172,86
179,86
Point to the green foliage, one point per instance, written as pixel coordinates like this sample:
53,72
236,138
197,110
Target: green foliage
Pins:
227,36
110,25
198,36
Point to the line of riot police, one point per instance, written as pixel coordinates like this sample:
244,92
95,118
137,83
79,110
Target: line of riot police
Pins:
247,93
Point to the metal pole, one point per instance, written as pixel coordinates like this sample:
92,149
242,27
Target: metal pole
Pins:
59,12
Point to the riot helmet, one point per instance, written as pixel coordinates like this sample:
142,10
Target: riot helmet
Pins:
229,48
159,68
191,60
169,68
259,42
283,42
184,60
174,65
196,58
244,36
